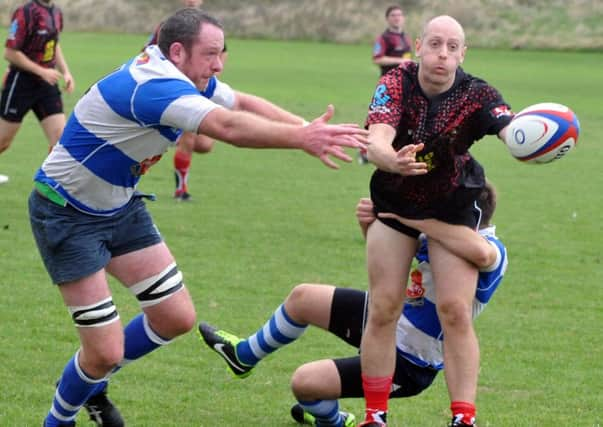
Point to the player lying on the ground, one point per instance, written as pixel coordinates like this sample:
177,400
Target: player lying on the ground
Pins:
317,385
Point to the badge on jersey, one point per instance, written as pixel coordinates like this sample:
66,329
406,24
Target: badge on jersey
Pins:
377,49
500,111
380,99
12,31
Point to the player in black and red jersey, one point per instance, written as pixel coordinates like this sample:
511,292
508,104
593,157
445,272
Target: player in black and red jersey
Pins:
393,47
422,120
189,143
36,64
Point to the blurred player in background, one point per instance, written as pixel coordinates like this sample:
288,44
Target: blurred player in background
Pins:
36,64
392,48
317,385
189,142
89,220
422,120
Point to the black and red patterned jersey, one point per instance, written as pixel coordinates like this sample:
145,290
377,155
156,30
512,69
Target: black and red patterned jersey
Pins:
391,43
448,124
34,30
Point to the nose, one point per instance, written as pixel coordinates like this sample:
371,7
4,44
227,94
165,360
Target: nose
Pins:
218,65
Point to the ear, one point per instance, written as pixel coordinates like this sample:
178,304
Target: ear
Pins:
177,53
417,47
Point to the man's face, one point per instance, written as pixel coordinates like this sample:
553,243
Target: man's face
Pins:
441,51
203,61
192,3
396,19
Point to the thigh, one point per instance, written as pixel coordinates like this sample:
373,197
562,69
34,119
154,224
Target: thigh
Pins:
410,379
350,376
389,255
18,96
455,279
133,230
48,101
72,244
348,315
53,126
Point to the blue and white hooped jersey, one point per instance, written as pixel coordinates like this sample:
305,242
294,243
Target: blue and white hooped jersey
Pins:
419,333
122,126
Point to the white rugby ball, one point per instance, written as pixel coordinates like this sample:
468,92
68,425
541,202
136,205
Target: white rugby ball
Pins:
542,133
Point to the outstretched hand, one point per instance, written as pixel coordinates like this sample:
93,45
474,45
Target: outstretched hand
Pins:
323,140
406,160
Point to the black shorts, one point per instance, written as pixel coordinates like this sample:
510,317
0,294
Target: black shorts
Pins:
458,208
348,319
22,91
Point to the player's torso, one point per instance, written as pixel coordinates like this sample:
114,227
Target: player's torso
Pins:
396,44
43,25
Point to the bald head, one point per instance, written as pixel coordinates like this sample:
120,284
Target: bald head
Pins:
444,24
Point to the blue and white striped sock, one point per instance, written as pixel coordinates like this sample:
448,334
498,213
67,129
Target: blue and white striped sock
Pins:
73,390
277,332
326,412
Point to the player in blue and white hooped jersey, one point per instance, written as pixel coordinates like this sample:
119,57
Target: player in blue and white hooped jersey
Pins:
88,220
343,312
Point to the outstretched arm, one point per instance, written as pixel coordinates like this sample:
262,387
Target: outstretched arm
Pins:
458,239
318,138
265,108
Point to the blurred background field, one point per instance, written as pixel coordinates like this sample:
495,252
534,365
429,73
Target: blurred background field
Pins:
550,24
262,222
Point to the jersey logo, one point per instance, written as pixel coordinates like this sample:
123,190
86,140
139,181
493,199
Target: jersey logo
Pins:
415,290
142,167
380,99
501,111
143,58
12,32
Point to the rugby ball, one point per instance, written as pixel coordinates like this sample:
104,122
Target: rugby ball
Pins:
542,133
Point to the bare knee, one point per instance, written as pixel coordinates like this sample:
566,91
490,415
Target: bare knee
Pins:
305,385
172,323
455,314
100,359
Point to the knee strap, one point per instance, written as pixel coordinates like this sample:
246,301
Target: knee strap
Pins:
159,287
94,315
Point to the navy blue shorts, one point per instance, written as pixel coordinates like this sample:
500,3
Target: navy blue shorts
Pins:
23,91
74,245
348,319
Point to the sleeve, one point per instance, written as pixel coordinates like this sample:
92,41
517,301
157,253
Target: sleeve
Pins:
221,93
171,102
60,21
490,277
385,106
17,31
496,113
379,47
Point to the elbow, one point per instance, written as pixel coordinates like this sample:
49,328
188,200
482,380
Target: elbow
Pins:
485,258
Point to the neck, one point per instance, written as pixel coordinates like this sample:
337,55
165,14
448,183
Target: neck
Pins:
431,89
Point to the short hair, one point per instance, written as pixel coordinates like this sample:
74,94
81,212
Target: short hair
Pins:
487,203
391,8
184,27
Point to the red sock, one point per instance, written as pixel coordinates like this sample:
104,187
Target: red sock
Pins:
182,165
376,395
463,411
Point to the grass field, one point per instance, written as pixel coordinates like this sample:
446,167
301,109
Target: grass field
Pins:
262,222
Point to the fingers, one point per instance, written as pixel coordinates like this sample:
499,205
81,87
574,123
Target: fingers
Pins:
327,161
390,216
328,115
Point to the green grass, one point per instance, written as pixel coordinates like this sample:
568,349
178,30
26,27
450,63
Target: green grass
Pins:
262,222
